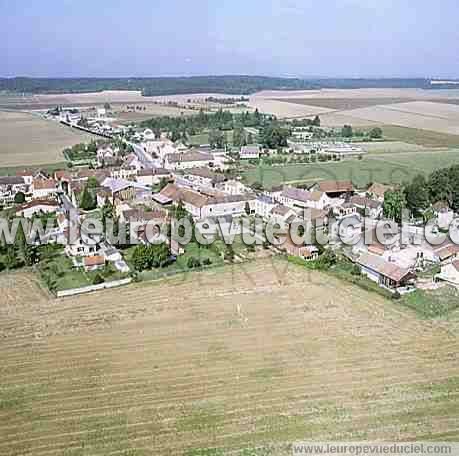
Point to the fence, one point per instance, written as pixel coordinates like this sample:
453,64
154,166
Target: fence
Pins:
90,288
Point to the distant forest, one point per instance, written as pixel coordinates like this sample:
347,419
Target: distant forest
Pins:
238,85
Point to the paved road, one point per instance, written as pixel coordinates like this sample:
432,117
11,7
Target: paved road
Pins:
144,158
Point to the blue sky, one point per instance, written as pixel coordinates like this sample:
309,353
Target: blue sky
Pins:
341,38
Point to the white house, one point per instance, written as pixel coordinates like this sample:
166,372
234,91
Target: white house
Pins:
9,187
249,152
233,187
298,198
450,273
37,207
443,213
263,206
106,156
44,188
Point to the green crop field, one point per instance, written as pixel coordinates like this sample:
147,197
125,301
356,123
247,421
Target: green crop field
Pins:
385,168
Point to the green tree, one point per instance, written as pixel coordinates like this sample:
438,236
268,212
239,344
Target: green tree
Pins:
316,121
19,198
247,208
87,200
346,131
439,186
376,133
417,195
394,202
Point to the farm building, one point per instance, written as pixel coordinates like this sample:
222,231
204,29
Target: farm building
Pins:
335,189
186,160
153,176
201,206
384,273
37,207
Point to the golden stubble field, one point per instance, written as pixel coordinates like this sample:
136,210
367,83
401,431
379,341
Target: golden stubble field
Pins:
27,139
244,358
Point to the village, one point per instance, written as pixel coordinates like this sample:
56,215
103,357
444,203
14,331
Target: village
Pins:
138,178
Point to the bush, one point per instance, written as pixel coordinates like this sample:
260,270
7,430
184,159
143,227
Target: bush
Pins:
98,279
19,198
355,270
207,262
396,295
193,263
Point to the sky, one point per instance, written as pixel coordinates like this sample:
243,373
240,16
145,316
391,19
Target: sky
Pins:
303,38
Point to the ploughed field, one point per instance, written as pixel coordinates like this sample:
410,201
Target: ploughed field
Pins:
248,357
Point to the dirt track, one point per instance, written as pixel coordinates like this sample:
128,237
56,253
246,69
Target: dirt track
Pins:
260,355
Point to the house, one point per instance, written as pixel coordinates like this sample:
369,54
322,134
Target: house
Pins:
306,252
82,245
139,217
249,152
44,188
106,156
263,206
202,206
94,262
282,215
37,207
299,198
384,273
27,175
121,189
443,213
367,207
186,160
344,210
449,273
377,190
335,189
445,252
203,177
152,176
9,187
233,187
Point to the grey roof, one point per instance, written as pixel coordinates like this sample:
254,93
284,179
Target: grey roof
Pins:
11,180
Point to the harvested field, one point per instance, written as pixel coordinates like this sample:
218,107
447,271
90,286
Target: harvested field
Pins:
284,110
403,115
27,139
256,356
30,102
342,104
147,112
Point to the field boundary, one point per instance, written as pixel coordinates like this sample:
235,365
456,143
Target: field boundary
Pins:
90,288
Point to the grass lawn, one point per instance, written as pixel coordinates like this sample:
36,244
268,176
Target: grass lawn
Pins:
432,304
181,265
59,269
203,138
391,170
